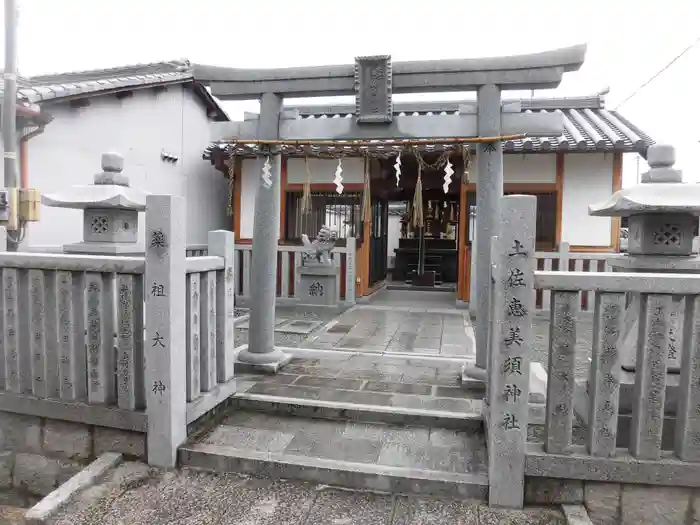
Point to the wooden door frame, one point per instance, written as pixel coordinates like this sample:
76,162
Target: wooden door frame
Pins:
464,253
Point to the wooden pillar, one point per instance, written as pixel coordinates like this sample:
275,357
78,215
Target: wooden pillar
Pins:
462,249
616,186
560,197
363,260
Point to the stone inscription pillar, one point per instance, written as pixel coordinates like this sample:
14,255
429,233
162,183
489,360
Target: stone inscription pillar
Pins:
165,328
509,370
261,352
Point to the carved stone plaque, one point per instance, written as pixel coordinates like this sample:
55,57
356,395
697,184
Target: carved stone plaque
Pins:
373,89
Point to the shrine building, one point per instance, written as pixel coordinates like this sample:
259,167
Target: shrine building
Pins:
565,172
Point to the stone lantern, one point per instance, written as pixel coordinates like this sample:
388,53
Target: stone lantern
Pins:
110,210
663,213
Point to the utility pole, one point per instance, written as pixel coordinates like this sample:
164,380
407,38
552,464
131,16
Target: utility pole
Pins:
9,107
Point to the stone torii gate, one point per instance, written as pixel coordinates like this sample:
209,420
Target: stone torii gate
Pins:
373,80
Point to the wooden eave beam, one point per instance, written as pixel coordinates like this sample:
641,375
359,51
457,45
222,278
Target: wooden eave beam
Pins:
406,127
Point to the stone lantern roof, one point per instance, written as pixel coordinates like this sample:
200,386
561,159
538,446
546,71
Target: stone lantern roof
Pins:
110,189
661,191
662,210
110,210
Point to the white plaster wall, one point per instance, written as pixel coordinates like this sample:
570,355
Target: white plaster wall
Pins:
587,180
139,128
323,170
250,179
393,235
532,168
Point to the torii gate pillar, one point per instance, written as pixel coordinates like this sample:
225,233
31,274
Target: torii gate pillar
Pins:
489,190
261,354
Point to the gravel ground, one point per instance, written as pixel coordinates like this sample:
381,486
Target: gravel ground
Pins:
136,495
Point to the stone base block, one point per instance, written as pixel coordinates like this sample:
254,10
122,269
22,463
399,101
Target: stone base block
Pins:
627,392
251,362
317,285
474,378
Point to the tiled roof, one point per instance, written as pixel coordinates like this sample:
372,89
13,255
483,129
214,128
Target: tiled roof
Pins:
63,86
588,126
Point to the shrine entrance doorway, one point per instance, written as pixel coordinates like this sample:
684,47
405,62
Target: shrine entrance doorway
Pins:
378,241
422,230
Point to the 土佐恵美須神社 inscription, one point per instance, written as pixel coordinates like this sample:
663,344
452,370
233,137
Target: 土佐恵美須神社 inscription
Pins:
513,337
516,278
515,289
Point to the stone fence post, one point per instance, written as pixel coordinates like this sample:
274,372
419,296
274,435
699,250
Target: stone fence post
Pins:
350,272
511,332
221,243
164,286
564,251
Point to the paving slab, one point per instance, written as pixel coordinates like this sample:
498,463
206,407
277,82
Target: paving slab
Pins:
373,329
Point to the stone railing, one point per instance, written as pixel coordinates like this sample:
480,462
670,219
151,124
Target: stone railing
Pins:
196,250
567,261
63,317
209,325
624,413
633,427
289,259
75,329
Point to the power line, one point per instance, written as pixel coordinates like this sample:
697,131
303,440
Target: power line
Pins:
675,59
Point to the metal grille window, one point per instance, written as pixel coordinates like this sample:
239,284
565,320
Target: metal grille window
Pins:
341,213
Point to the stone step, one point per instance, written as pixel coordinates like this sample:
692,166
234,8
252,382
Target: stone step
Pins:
471,419
383,457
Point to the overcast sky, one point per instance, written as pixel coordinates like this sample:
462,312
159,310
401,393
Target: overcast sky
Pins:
629,41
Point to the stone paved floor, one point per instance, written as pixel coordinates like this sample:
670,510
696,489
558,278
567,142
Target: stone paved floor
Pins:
415,447
283,316
398,329
190,497
370,380
385,297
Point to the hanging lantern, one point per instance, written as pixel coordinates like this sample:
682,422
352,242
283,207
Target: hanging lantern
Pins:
338,180
448,176
267,173
397,167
